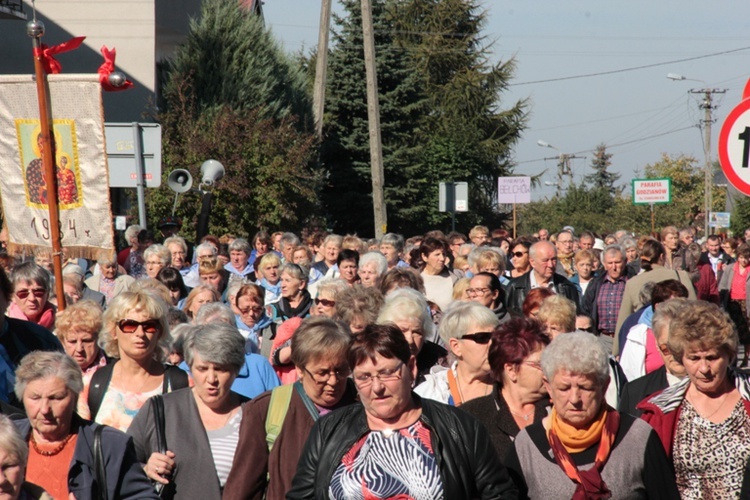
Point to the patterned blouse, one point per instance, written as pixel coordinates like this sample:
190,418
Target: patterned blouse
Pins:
710,458
389,464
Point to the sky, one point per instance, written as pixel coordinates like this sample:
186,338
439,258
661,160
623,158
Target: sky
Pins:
639,114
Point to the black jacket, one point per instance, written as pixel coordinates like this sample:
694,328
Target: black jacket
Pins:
467,459
639,389
519,287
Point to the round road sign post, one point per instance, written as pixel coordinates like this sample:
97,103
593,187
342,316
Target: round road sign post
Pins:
734,145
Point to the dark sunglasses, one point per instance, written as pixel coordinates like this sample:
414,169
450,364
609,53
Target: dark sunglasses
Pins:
325,302
589,329
519,254
131,325
479,338
38,293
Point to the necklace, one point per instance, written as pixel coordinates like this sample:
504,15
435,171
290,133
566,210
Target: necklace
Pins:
460,392
524,417
50,453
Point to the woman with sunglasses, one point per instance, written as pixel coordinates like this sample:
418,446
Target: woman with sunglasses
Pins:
319,349
31,287
136,333
466,328
396,444
519,258
518,398
326,296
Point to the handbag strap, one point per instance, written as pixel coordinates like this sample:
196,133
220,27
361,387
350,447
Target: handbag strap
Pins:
99,469
161,439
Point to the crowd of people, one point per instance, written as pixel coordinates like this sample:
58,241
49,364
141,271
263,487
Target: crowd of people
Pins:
317,365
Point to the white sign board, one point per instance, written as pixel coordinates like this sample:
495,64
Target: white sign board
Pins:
121,154
648,191
719,219
512,190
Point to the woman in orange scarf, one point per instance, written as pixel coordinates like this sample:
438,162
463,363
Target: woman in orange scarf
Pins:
585,449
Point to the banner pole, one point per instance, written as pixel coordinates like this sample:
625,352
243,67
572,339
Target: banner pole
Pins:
35,29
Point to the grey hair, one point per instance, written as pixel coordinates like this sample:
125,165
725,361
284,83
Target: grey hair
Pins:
377,258
234,287
334,238
297,271
393,239
320,338
30,271
577,352
407,303
665,312
132,232
44,364
533,249
459,316
176,240
644,296
628,242
466,248
612,249
206,246
331,287
213,312
159,251
179,334
240,245
216,343
289,239
11,441
106,257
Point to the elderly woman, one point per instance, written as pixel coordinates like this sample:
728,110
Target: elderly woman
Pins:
533,301
239,258
61,456
519,257
438,280
519,398
262,244
407,309
214,274
31,289
347,265
395,444
267,271
295,299
703,420
401,277
598,452
392,247
78,328
269,459
135,332
466,328
583,262
201,294
674,258
14,453
358,307
372,266
252,320
156,258
201,424
109,282
326,297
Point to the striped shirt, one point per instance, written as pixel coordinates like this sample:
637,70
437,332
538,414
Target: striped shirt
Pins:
223,445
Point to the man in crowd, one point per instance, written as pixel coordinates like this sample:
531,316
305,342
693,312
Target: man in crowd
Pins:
586,241
543,259
716,255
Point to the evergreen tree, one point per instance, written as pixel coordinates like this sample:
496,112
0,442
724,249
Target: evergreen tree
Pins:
233,95
602,178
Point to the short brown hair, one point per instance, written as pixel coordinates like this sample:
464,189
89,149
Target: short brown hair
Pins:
705,325
251,290
320,338
386,340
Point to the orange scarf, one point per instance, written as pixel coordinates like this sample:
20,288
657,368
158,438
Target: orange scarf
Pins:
578,440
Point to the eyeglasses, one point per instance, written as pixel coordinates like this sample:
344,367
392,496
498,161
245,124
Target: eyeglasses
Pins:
518,255
325,302
364,380
131,325
37,292
477,291
479,337
254,310
323,376
151,263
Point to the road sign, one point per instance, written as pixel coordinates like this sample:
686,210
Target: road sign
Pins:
719,219
121,154
513,190
453,196
650,191
734,145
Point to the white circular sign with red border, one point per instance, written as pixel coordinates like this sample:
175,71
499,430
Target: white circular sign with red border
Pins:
734,145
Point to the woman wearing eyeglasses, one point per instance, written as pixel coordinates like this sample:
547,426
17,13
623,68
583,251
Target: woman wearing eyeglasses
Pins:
135,332
31,287
466,328
518,398
327,294
396,444
252,321
266,464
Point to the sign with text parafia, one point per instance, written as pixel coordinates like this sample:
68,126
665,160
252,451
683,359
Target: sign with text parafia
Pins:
513,190
650,191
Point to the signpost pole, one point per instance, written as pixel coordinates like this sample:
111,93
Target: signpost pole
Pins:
140,168
653,221
514,220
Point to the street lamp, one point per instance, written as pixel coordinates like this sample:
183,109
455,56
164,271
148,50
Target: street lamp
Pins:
707,106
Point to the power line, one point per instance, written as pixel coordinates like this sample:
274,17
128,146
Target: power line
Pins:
633,68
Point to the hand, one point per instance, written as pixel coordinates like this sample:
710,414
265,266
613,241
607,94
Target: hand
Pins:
160,466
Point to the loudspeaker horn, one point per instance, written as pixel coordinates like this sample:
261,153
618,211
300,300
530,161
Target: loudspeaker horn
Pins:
212,171
180,180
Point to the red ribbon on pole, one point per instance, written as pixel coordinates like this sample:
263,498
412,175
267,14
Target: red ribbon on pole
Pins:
107,67
46,54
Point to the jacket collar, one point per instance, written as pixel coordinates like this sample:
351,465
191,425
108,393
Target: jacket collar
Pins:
672,397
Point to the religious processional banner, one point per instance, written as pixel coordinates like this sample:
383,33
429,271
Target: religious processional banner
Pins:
80,165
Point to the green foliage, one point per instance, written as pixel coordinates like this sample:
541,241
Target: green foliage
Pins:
602,178
740,219
233,95
440,115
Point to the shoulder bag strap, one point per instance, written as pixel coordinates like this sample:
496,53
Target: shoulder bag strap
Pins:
174,378
308,402
98,386
157,403
281,397
99,469
453,387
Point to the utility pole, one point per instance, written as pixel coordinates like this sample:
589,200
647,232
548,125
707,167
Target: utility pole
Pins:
321,67
373,115
707,106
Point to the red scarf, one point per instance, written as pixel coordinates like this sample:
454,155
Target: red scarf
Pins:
589,483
